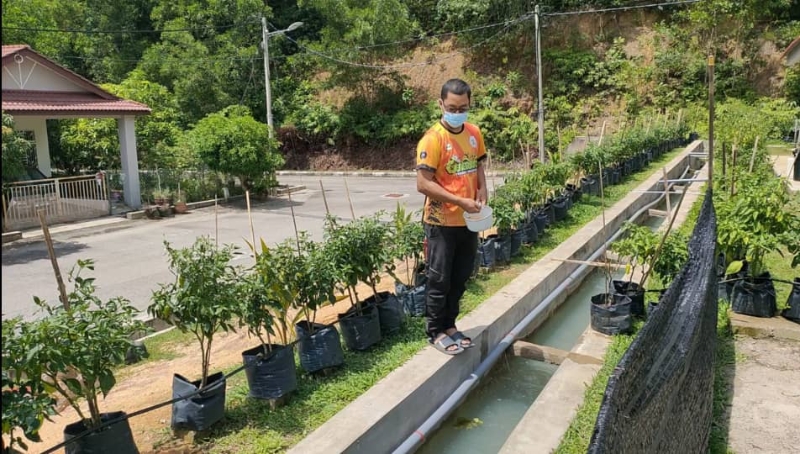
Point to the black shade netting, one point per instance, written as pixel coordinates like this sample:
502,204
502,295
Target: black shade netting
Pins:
659,398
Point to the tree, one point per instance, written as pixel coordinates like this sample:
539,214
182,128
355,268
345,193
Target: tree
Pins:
232,141
15,150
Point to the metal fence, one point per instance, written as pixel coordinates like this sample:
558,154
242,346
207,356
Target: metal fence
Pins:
62,200
194,185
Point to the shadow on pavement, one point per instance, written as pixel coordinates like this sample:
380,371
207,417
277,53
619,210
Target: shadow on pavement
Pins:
31,252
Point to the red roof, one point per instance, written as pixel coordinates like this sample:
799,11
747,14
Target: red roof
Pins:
93,101
14,48
28,101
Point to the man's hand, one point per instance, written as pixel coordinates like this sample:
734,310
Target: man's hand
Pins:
482,197
471,206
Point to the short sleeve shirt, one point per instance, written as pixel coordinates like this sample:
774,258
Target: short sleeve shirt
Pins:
453,158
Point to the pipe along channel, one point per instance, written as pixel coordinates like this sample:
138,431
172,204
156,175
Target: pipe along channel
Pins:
417,438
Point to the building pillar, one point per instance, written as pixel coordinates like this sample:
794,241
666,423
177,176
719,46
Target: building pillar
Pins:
130,161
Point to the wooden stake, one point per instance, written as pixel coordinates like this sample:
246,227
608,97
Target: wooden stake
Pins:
349,200
733,169
324,197
597,264
666,190
603,212
602,133
250,218
753,156
666,233
51,251
294,221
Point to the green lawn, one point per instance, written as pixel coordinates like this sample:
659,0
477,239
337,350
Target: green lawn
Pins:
250,426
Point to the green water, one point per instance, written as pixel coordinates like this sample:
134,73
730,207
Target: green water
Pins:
483,423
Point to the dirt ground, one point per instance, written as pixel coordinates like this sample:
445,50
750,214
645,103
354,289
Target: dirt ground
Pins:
143,385
766,397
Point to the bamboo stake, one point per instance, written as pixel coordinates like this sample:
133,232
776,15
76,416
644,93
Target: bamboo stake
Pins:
250,218
733,170
602,133
294,221
664,238
324,197
596,264
753,156
216,222
349,200
724,164
666,190
51,251
603,212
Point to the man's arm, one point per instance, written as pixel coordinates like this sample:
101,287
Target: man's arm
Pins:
483,193
428,186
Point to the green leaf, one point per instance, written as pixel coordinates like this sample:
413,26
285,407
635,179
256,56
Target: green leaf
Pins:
107,381
734,267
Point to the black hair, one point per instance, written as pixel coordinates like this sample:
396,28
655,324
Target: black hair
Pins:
456,87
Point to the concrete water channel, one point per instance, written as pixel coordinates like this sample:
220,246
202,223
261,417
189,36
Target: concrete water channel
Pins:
485,400
484,422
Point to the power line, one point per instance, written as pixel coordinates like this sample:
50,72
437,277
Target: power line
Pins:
621,8
508,25
122,32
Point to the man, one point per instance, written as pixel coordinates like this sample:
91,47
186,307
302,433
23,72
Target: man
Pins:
450,174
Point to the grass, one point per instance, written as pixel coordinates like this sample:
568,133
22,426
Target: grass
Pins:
251,426
724,365
576,439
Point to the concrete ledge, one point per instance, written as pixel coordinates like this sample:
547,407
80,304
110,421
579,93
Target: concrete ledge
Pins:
543,425
362,173
760,328
12,236
392,409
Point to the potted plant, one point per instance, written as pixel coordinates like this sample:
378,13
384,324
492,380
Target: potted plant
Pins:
202,300
754,224
268,310
180,206
407,238
26,402
669,262
319,346
349,247
161,197
505,216
77,347
379,258
638,248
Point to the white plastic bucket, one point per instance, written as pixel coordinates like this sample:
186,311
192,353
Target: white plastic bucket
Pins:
478,222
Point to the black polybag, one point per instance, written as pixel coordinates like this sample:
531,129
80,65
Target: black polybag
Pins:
320,350
271,376
200,411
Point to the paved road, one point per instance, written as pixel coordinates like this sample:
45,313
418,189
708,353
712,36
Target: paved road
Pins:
130,261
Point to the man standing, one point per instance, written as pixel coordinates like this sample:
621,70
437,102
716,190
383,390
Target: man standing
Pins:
450,174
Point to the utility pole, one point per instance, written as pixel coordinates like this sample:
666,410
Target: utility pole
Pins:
265,48
265,34
540,109
711,121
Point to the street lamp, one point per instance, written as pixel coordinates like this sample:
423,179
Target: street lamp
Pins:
265,46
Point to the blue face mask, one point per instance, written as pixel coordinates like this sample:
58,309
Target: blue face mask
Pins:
455,120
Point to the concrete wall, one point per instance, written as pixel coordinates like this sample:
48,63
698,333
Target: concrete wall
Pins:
390,411
30,75
39,127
